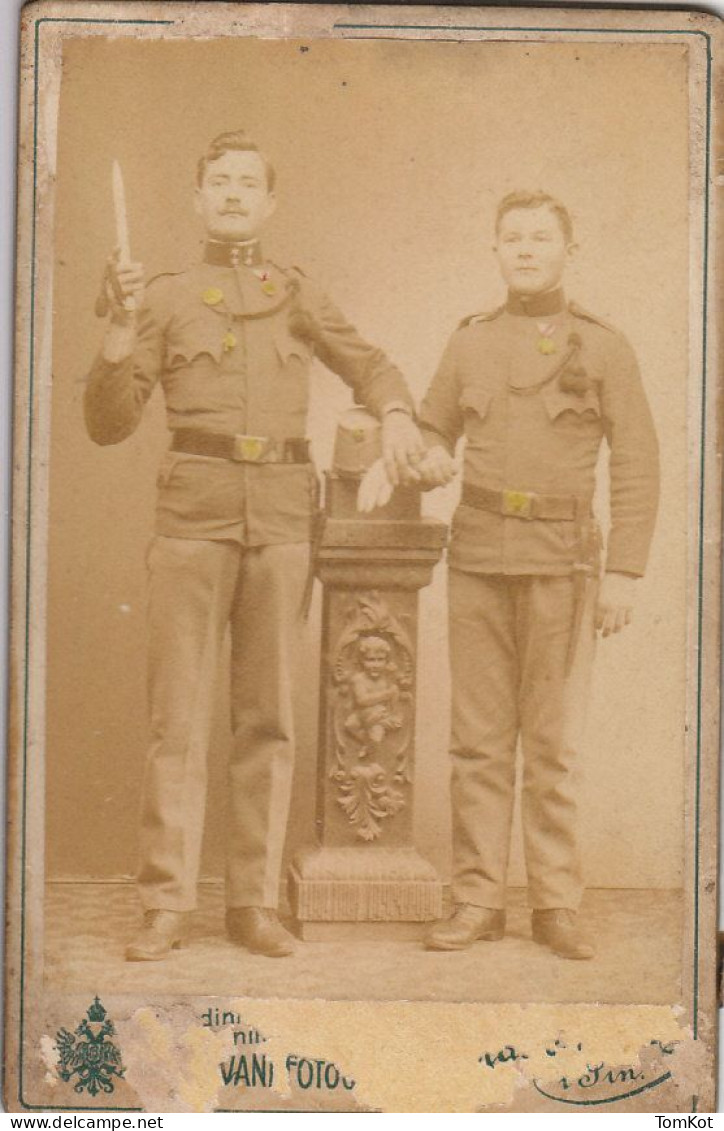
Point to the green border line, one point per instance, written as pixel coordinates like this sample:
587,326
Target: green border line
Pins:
342,26
702,473
29,483
477,27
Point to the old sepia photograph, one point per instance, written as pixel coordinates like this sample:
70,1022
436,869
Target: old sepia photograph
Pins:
365,560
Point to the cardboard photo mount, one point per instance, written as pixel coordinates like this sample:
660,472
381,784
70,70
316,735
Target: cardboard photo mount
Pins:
395,132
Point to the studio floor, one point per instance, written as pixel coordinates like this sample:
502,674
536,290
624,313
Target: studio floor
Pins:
637,934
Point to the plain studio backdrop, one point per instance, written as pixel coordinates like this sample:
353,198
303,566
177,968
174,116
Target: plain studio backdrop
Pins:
391,157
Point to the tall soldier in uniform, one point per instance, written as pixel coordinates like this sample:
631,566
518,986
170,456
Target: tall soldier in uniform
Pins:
231,341
535,387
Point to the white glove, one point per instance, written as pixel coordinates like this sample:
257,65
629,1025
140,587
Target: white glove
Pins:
375,489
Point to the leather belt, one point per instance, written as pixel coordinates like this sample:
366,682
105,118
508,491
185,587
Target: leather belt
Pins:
240,448
525,504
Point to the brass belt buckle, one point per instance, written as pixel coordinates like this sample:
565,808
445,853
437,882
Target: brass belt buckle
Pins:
518,504
249,449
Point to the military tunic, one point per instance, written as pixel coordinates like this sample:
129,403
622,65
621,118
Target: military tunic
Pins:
231,342
535,388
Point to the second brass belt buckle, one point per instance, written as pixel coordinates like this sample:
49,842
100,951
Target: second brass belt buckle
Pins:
518,504
249,449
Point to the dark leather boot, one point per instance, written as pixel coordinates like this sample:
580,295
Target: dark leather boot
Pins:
259,930
559,931
162,932
465,926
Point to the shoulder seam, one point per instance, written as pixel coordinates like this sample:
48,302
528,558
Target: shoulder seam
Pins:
578,312
163,275
484,316
287,270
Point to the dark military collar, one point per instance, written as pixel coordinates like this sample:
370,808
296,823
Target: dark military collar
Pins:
537,306
221,253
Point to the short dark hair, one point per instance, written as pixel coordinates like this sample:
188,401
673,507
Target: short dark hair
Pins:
234,141
515,200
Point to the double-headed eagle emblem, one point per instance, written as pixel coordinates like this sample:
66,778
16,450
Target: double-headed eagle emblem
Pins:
87,1056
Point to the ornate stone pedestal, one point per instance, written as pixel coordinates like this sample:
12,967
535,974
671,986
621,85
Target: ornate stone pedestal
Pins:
366,877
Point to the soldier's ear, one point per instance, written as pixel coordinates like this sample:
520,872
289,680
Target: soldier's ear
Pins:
571,251
271,204
197,201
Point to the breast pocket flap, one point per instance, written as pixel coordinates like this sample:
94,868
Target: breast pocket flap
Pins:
558,402
190,342
288,346
476,400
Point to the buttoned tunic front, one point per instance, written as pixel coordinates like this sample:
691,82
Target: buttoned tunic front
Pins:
525,432
232,348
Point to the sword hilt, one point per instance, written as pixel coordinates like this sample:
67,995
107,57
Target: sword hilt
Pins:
102,305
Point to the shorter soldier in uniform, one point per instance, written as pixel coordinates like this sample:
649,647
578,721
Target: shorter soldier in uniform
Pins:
231,342
535,387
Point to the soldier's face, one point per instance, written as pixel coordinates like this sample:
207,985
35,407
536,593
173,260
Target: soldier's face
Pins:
234,201
532,250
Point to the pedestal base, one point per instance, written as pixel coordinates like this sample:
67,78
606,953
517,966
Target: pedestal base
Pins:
359,932
338,889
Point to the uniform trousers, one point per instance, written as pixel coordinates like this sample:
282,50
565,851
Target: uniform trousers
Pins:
196,589
511,679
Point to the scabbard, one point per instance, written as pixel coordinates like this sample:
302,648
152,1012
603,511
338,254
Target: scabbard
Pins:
583,578
318,522
314,548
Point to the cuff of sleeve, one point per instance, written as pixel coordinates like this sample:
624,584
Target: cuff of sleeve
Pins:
104,369
623,561
398,406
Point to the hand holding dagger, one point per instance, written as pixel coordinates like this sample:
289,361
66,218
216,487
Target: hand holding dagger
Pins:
122,283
